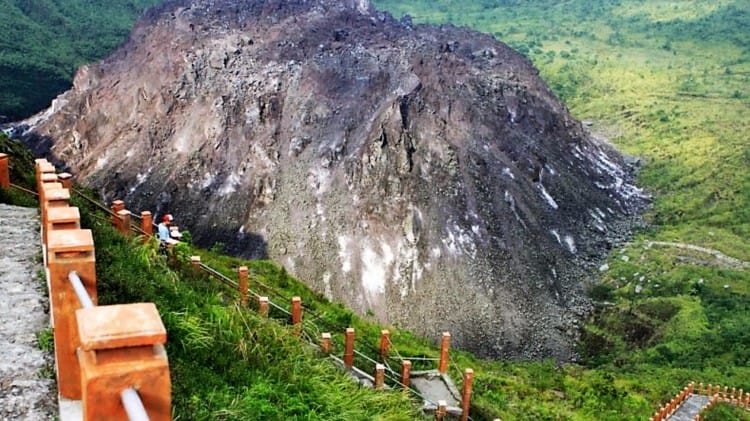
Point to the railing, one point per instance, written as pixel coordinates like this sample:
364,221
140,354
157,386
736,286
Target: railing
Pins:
739,398
120,219
715,393
117,370
69,256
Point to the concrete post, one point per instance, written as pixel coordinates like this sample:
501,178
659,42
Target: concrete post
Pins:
442,410
66,179
325,343
297,315
123,223
44,187
263,306
243,285
118,356
445,344
46,174
117,206
406,374
147,225
63,218
69,250
4,172
47,183
379,376
385,343
38,171
57,198
195,263
466,394
349,348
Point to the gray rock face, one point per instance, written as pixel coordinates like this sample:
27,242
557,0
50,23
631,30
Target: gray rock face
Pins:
423,174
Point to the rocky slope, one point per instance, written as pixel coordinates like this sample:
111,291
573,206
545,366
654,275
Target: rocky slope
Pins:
425,175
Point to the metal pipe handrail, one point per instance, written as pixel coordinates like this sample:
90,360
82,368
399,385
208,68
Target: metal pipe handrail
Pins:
81,293
133,405
131,401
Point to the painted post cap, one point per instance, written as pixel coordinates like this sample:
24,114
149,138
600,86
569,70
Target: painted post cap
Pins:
120,326
63,214
57,194
66,241
46,167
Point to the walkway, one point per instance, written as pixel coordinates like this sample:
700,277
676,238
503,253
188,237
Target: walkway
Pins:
27,390
691,407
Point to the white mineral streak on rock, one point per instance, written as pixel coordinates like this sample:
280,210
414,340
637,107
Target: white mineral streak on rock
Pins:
327,286
375,267
458,241
570,242
101,162
230,185
345,254
556,235
547,197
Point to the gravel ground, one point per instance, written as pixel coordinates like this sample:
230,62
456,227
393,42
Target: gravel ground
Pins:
26,393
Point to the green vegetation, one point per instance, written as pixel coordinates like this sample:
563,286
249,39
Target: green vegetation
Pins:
722,412
668,82
42,43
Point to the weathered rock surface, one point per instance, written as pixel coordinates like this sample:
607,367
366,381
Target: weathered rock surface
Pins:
423,174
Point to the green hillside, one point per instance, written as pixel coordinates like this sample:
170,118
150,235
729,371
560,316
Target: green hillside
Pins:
666,81
42,42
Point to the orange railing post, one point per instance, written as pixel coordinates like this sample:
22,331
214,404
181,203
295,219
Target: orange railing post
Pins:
297,314
385,342
263,306
69,250
445,344
123,222
325,343
4,172
406,373
466,394
349,348
117,206
195,263
54,197
66,179
442,410
379,376
147,225
242,281
123,355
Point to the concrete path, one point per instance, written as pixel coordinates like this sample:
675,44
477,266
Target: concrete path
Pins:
26,390
690,408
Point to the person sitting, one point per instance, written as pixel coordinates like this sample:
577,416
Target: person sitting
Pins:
167,236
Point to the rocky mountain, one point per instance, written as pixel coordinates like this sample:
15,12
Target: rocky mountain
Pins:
423,175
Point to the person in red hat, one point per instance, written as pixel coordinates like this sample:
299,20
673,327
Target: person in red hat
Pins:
167,236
